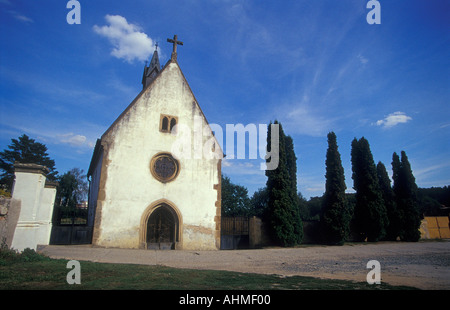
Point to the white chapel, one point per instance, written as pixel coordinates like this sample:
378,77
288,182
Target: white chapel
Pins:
143,194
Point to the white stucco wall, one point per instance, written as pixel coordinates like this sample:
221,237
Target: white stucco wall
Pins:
129,188
37,202
94,183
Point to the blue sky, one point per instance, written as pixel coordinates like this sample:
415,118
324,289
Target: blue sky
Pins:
316,66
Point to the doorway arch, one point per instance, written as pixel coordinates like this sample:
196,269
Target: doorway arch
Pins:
161,226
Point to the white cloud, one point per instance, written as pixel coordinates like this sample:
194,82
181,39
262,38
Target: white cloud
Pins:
393,119
129,42
310,185
16,126
363,60
242,167
21,17
226,163
303,120
72,139
423,173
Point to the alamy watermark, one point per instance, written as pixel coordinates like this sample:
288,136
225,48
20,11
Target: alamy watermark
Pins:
374,16
74,15
201,142
191,145
374,275
74,275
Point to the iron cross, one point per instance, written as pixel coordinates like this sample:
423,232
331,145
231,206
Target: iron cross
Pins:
175,43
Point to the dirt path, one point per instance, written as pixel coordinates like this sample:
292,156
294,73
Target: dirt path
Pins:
424,265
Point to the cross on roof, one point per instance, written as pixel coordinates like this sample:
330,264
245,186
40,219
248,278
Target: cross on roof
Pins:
175,43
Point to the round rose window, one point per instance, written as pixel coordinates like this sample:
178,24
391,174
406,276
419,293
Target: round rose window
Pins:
164,167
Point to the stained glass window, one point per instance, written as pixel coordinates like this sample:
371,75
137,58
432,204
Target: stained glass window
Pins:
164,167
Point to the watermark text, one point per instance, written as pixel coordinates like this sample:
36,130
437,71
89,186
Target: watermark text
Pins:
374,275
74,275
374,15
203,141
74,15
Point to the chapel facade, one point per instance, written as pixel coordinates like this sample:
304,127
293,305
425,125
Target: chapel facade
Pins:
143,192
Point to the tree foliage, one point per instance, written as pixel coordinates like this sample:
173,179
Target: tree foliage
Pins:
433,200
314,208
282,213
406,193
296,197
335,216
259,202
370,212
235,201
389,201
27,151
72,190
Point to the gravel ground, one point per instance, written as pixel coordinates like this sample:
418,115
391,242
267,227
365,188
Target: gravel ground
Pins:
424,265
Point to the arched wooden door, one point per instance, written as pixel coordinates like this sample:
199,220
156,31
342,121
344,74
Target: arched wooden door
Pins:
162,228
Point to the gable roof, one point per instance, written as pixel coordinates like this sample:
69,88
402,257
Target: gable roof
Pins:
98,147
98,150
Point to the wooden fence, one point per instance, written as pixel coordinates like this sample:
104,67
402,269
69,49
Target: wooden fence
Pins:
234,226
234,233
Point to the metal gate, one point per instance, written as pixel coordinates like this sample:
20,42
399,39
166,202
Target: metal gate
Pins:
161,230
70,227
234,233
71,234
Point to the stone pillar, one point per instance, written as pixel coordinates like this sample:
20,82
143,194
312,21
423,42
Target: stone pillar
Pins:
9,215
254,232
37,201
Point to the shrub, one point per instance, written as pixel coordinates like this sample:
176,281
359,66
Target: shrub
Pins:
13,256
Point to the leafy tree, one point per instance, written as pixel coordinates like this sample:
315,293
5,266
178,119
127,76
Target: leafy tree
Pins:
259,202
303,207
335,216
235,201
370,212
433,200
27,151
430,206
384,182
282,213
314,206
72,190
406,191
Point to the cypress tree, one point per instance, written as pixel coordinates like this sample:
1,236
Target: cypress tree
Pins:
291,163
283,214
396,167
384,181
370,213
335,216
413,218
405,190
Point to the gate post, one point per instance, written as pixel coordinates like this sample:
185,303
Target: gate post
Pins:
254,232
37,201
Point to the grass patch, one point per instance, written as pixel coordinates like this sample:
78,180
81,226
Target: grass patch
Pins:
32,271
